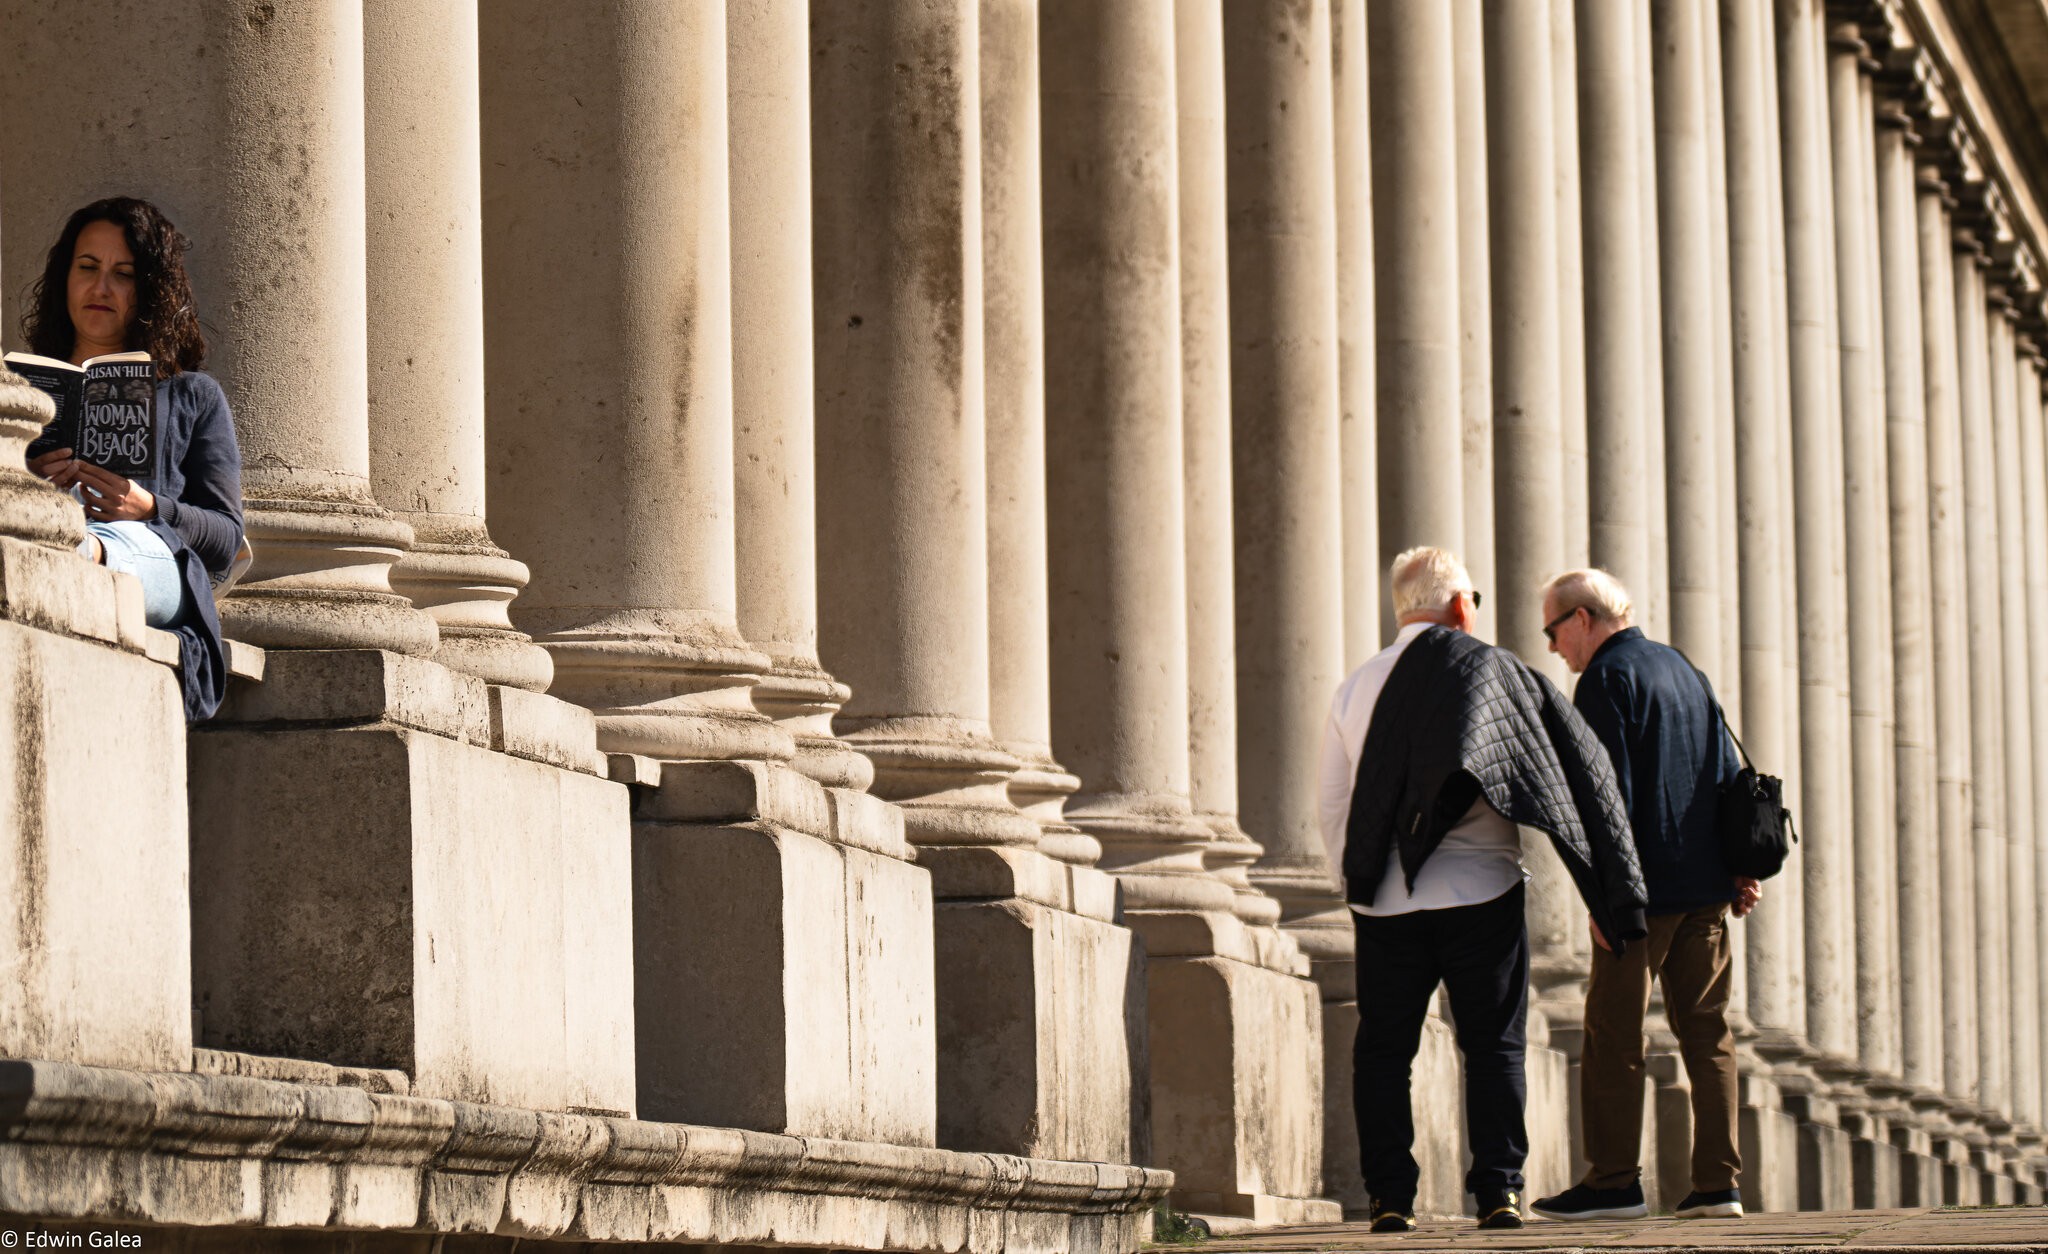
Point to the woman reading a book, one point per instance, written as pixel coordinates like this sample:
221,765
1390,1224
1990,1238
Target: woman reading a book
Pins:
115,282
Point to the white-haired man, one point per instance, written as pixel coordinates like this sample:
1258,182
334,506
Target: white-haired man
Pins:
1434,750
1657,715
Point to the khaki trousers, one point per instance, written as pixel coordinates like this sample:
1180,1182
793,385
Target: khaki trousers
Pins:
1689,954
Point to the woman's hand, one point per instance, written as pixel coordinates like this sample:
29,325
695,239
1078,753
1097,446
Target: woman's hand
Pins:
114,498
57,465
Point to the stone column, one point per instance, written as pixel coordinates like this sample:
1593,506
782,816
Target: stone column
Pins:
1571,286
2034,463
2034,490
1357,394
1947,585
1610,154
1415,182
902,513
1205,435
1987,683
1285,443
1918,880
1118,552
768,102
1013,315
1760,456
425,332
1868,523
1527,391
2023,1058
1028,1064
1475,295
1653,601
605,214
1817,457
1691,451
1728,687
260,158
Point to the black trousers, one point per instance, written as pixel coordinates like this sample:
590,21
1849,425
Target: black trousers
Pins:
1481,955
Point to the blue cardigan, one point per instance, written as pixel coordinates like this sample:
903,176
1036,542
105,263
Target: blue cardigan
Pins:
1659,721
198,490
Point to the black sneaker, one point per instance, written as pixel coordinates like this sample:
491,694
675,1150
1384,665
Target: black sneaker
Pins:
1500,1208
1585,1202
1718,1204
1387,1217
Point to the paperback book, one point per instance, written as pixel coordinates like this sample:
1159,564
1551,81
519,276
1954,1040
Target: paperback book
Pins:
106,409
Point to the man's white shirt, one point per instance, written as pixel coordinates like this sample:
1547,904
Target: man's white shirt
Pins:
1479,859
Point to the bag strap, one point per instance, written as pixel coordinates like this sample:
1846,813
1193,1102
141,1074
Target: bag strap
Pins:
1720,714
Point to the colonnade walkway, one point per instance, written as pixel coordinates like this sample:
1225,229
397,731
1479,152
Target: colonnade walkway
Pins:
1974,1228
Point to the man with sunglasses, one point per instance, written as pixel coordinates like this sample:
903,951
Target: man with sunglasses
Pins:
1434,751
1658,717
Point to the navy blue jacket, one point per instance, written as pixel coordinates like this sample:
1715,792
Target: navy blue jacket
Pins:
1659,720
198,490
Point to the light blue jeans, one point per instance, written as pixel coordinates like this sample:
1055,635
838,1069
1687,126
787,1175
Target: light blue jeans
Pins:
134,548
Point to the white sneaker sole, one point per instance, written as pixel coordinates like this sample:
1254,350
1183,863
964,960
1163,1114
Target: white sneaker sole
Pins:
1715,1210
1639,1211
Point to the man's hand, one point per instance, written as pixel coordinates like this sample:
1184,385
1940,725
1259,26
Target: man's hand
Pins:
113,498
1749,893
1599,937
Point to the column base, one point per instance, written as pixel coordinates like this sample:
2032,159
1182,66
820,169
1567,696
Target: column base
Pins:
466,587
802,698
322,577
1235,1030
1769,1139
1040,788
31,510
783,955
1230,856
453,899
1826,1172
669,690
97,951
1040,1007
952,781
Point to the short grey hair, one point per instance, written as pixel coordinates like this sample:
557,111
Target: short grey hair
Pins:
1427,579
1592,590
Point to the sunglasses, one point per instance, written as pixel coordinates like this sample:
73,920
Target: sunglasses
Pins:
1550,628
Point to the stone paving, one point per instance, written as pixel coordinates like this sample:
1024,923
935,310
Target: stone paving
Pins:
1979,1230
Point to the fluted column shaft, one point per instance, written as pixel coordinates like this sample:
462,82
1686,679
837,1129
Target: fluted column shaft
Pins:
1475,297
1286,449
2017,882
774,477
1760,456
1610,157
425,332
1728,687
1868,523
1527,391
1948,583
1828,864
903,489
1653,600
1118,552
1918,878
1357,386
1987,704
1691,452
1013,314
1415,185
1205,435
608,267
1571,284
2034,493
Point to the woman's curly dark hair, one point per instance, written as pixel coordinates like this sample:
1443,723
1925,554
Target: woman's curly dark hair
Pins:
165,325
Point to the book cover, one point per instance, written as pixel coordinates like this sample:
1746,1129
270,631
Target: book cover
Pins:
106,409
117,423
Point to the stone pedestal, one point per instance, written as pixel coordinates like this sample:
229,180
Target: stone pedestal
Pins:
1769,1144
1041,1023
782,955
95,836
1874,1161
398,865
1824,1148
1236,1068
